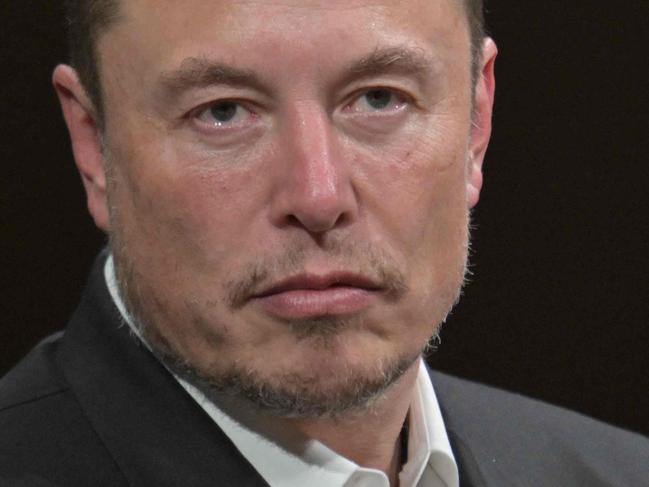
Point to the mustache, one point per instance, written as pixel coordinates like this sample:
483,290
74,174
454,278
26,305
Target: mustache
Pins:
364,259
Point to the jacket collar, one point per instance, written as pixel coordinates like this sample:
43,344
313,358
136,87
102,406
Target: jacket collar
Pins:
476,468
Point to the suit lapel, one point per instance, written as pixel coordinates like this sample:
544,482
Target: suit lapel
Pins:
469,471
154,431
473,471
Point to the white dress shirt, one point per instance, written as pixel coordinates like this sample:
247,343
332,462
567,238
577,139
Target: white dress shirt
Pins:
430,458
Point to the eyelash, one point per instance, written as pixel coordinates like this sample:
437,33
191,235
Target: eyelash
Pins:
197,113
402,100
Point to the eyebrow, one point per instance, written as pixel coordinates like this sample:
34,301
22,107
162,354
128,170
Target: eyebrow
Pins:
400,60
196,72
200,73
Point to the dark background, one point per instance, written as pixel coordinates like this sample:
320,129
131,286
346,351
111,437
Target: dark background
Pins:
559,305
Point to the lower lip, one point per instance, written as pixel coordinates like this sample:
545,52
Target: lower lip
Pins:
309,303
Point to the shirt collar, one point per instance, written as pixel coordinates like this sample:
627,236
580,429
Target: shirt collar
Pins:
430,459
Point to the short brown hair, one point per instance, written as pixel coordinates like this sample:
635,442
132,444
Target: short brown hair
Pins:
477,29
88,19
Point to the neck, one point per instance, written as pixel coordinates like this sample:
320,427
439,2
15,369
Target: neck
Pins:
372,439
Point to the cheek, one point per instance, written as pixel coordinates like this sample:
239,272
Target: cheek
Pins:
418,190
197,211
422,213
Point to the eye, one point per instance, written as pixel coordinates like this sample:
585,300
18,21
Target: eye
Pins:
223,114
377,100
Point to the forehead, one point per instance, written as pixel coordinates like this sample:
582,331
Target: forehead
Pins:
171,30
411,11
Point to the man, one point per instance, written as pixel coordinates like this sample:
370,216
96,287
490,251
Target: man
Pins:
286,187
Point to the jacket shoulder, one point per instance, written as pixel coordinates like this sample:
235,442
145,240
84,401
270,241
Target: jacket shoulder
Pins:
531,442
35,377
46,438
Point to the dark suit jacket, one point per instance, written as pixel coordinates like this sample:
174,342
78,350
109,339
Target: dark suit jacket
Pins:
92,407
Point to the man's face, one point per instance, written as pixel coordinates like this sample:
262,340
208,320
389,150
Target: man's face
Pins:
288,184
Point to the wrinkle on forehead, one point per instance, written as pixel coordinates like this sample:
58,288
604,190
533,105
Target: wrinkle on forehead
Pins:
223,9
178,19
230,21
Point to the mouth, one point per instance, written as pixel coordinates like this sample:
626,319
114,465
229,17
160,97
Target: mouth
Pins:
310,295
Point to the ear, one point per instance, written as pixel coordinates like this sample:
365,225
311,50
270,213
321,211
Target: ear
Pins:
80,117
481,127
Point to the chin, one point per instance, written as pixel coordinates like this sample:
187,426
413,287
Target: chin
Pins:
315,376
335,387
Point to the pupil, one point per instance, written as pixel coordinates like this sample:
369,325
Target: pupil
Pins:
378,98
224,111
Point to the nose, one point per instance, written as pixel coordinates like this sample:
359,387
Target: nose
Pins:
314,187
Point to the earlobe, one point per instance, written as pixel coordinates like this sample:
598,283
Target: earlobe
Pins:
481,124
80,118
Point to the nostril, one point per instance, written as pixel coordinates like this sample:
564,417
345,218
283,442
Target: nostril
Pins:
293,221
316,223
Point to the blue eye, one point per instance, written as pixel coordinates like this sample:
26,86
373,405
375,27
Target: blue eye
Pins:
224,113
377,100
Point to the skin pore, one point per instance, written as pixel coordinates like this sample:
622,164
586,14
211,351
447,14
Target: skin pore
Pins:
286,186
